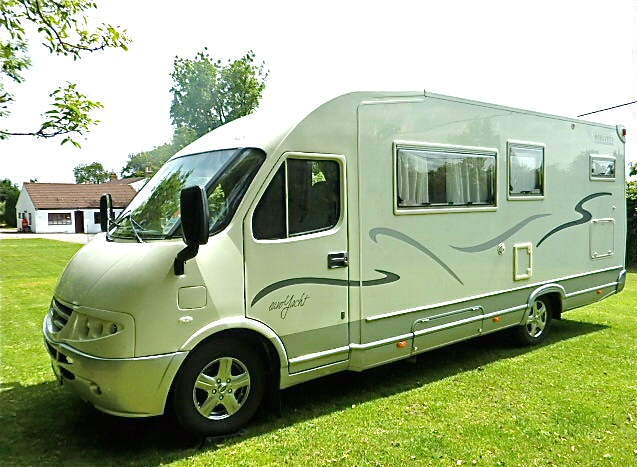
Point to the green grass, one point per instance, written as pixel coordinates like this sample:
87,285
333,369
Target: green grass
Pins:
571,401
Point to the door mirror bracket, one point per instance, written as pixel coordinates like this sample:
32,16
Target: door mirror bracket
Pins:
193,203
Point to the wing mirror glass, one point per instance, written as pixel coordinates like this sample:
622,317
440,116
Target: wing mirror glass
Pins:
193,203
106,211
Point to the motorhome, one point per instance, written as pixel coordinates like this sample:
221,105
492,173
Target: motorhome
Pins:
374,228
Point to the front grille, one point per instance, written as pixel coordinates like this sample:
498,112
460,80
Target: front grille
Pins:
60,315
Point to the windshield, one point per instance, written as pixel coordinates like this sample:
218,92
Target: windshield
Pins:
154,212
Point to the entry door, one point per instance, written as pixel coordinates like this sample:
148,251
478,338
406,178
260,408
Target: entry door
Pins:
296,258
79,222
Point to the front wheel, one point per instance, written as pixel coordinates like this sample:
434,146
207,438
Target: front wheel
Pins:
537,324
219,387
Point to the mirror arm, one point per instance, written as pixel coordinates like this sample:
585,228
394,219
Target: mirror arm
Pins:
184,255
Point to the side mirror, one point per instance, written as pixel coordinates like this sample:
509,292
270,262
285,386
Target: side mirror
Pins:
193,203
106,211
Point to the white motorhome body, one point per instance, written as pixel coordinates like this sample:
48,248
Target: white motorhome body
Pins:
376,227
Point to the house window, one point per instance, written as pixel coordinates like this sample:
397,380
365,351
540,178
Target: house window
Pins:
526,171
602,167
59,218
97,217
302,198
432,178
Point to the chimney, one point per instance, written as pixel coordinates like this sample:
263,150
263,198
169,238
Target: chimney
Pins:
113,176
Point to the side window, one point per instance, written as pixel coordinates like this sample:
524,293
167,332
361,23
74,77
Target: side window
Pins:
432,178
602,167
63,218
526,171
303,197
268,221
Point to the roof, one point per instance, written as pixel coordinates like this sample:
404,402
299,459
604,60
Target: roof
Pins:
125,181
269,127
77,196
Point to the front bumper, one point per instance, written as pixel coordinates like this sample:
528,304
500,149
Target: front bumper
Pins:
128,387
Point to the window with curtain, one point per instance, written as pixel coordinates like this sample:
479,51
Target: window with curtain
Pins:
602,167
526,170
432,178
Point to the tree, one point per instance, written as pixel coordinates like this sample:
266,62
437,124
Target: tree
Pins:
9,193
62,25
208,93
91,173
143,164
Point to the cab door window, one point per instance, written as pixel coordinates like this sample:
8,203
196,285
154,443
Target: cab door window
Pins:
303,197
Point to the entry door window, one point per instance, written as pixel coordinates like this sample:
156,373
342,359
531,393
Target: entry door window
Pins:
303,197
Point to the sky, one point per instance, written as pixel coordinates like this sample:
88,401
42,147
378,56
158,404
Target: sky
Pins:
563,58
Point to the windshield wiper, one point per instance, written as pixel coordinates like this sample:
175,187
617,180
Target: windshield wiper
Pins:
132,221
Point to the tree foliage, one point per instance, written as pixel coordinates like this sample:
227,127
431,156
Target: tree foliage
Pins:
9,193
91,173
64,29
146,163
208,93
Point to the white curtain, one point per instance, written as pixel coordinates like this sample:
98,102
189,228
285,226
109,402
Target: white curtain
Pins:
467,181
523,172
466,178
412,179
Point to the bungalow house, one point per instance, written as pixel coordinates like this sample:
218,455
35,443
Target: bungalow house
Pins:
69,207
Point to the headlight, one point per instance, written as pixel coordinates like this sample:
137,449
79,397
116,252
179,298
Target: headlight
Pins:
89,327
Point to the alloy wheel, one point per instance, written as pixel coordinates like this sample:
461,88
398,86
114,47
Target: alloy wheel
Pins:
221,388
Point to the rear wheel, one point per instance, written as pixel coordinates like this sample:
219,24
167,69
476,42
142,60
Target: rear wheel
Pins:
219,387
537,324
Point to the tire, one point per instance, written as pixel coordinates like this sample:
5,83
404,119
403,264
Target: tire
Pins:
537,325
219,387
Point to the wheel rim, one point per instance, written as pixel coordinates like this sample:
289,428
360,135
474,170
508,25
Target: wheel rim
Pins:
536,322
221,388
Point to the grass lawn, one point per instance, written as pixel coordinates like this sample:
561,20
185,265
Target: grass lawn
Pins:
571,401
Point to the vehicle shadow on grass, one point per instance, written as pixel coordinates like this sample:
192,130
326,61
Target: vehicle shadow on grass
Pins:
42,424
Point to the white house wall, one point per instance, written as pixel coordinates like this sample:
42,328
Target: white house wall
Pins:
25,205
40,218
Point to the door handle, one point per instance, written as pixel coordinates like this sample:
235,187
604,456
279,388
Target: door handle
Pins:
337,260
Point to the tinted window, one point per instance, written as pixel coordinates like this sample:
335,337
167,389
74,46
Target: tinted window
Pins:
313,195
312,202
268,221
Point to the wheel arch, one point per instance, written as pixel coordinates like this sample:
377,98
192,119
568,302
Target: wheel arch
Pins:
240,326
259,333
555,293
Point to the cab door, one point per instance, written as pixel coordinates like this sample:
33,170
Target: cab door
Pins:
296,258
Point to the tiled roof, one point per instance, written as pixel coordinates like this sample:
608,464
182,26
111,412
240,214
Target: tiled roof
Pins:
125,181
72,196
